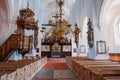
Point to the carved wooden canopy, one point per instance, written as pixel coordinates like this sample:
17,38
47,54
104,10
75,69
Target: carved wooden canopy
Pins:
26,19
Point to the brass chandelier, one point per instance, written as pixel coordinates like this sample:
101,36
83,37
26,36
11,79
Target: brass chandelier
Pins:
60,28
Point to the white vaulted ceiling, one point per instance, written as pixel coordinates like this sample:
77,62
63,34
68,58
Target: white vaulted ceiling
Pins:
44,9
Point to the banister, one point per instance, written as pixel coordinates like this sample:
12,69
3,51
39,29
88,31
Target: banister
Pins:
12,43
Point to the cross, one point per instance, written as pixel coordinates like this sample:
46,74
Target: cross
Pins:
56,16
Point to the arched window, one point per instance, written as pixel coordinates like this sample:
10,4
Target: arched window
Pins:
117,32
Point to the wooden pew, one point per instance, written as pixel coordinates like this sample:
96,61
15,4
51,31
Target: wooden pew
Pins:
87,69
101,70
112,78
10,66
21,69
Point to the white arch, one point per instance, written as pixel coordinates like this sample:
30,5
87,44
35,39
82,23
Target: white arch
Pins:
109,12
116,31
84,32
105,6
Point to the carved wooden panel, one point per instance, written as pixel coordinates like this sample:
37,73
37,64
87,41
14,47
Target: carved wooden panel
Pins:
45,47
35,38
30,42
66,48
56,48
16,42
27,43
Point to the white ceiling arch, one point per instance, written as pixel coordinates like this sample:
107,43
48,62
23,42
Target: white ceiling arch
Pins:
110,9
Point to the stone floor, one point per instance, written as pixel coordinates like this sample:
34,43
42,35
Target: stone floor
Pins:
55,69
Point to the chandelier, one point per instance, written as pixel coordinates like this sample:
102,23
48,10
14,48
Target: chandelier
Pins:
60,28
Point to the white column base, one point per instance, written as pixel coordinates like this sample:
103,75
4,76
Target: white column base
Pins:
95,56
82,54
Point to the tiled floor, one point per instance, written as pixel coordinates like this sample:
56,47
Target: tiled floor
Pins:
55,70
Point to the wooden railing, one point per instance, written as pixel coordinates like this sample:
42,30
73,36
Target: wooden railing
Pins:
10,45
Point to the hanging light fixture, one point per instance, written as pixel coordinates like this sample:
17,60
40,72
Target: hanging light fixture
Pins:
60,28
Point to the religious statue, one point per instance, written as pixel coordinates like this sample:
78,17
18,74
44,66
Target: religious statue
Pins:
76,32
90,36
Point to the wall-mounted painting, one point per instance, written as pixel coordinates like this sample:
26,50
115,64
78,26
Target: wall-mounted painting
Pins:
82,49
56,48
66,48
101,47
37,50
74,50
45,48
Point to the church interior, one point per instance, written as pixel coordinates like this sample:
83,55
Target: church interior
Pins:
59,40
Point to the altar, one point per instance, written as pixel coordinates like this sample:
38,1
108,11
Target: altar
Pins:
56,37
56,50
55,54
51,49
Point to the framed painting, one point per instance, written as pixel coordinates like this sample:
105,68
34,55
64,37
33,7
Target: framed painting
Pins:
82,49
101,47
66,48
74,50
56,48
45,48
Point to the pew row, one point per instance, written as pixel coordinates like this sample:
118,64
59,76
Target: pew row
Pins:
21,70
87,69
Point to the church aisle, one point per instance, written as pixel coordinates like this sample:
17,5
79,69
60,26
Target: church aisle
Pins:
55,70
